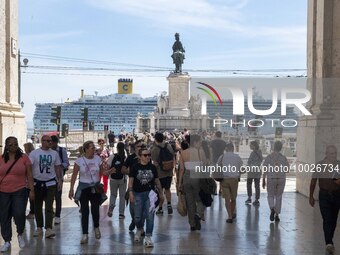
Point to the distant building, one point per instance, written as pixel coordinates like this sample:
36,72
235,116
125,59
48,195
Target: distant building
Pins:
119,112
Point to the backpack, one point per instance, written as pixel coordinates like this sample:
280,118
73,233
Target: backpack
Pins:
117,162
60,151
166,159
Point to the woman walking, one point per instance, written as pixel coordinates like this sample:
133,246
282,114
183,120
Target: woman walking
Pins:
15,173
143,179
191,158
254,162
28,148
276,180
89,166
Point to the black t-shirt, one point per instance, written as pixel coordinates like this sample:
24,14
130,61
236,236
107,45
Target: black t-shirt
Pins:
117,162
143,177
217,146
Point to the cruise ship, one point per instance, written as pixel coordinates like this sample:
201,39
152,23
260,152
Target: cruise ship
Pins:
117,112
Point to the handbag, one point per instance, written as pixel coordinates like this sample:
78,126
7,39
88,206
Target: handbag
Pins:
99,188
205,198
181,205
208,185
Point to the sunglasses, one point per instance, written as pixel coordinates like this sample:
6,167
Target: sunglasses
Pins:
12,144
146,155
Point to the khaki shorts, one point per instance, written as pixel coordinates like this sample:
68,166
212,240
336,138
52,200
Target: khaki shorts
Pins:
229,188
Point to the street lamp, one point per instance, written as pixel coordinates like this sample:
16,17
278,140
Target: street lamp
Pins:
25,60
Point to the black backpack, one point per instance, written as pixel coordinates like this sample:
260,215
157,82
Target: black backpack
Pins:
60,151
166,158
117,162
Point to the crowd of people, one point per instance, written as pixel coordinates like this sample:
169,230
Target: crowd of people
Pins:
142,171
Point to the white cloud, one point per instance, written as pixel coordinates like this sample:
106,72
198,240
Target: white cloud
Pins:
218,15
196,13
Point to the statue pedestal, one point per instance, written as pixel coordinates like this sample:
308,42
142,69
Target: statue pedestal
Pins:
178,94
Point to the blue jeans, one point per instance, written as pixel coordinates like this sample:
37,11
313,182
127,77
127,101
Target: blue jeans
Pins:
12,205
142,213
329,207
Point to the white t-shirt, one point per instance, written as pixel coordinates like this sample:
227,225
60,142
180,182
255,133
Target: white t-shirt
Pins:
231,164
43,164
89,169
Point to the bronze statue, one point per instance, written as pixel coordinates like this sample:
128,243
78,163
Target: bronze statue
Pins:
178,54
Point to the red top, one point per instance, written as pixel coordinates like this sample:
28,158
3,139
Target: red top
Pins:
16,179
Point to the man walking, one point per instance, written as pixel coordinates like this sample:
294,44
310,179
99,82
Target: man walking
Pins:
229,186
329,195
163,157
64,167
47,175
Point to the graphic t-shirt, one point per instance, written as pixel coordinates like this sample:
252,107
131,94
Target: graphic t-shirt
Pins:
43,164
89,169
143,177
16,179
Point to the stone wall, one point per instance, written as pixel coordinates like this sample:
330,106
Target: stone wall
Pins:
12,120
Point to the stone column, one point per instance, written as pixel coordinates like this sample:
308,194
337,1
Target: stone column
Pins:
152,122
323,62
179,94
12,121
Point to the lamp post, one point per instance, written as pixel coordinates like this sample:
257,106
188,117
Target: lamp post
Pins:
25,61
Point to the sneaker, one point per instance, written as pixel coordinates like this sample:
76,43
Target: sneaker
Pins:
21,241
192,228
229,220
97,233
56,220
109,213
198,222
277,218
256,203
248,201
121,216
138,235
272,214
5,247
159,212
132,226
330,248
84,239
30,216
38,232
49,233
170,211
148,241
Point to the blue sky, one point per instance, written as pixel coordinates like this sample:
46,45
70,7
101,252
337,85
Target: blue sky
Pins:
219,34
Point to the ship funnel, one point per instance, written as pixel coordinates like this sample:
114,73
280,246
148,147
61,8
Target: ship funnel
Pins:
81,93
